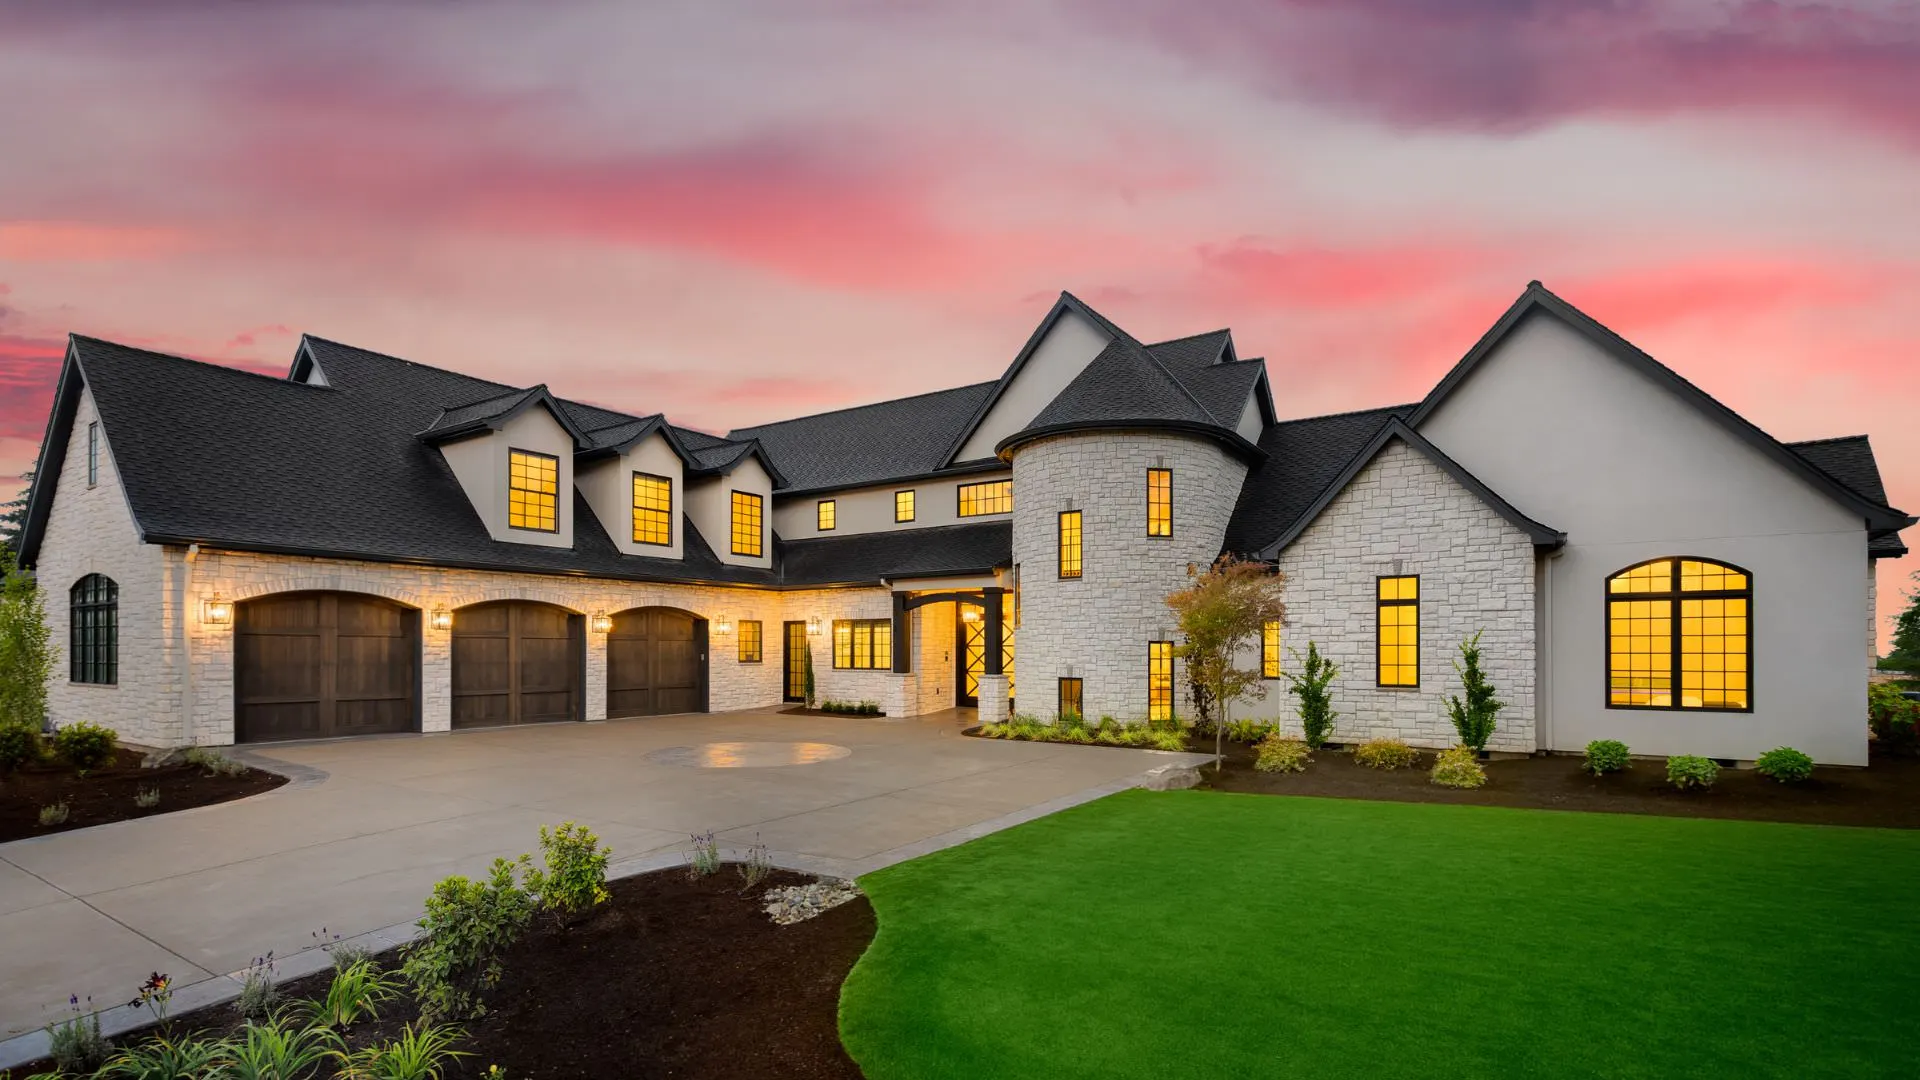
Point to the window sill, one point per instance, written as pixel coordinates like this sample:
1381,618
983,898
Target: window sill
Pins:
101,685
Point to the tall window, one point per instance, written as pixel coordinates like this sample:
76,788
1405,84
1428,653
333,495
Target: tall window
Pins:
1712,650
93,453
824,514
1397,620
863,644
1070,543
533,490
903,505
1159,502
652,509
749,641
1270,649
747,524
986,497
1070,698
1159,680
93,635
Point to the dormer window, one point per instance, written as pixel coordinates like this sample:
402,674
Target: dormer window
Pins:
747,524
652,509
825,515
533,490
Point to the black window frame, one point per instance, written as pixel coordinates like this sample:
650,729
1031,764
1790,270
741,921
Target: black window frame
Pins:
554,494
634,495
759,641
828,508
1674,596
960,501
760,527
93,453
1279,657
93,631
1419,593
879,658
1173,684
1078,687
1169,533
913,505
1079,546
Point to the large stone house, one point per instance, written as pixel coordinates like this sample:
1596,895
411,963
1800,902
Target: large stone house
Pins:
373,545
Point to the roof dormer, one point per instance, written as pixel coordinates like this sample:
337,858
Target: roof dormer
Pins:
634,478
513,455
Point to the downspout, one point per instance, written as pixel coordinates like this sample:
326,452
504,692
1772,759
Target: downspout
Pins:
186,656
1543,651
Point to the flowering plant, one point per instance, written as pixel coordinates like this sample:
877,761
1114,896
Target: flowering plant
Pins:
155,993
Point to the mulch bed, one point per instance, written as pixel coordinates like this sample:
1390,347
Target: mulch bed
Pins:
802,710
1885,794
671,977
107,794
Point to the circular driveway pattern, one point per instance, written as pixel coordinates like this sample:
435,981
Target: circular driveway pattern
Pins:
748,755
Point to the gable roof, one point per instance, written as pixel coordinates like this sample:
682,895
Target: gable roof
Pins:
902,439
1544,538
1538,300
1303,457
1849,459
493,413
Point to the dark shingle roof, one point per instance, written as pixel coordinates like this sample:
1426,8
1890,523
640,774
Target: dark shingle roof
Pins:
1197,351
1122,383
868,444
1849,459
1303,458
945,550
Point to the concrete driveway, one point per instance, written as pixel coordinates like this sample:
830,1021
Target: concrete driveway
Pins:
355,842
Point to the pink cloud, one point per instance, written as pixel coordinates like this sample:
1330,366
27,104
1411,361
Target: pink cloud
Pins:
59,241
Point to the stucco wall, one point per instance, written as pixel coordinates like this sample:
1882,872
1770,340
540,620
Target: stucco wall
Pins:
1404,515
1070,345
1585,443
608,487
710,505
480,464
870,509
1097,627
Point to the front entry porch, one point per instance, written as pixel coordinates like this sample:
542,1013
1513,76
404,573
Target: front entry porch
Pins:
953,647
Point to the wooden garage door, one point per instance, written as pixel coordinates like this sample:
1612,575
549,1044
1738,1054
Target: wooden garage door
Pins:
656,663
312,665
516,662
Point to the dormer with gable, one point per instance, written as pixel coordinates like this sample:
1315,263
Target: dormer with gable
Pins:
634,479
513,455
730,500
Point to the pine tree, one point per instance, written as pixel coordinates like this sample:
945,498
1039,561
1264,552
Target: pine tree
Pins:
1473,718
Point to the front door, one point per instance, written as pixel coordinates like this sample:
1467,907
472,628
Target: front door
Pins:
794,662
971,648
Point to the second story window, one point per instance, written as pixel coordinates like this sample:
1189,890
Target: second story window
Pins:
903,506
747,524
652,509
1070,543
93,453
533,490
987,497
824,515
1159,502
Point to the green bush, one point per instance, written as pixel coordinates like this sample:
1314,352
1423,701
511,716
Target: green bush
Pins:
421,1053
1385,754
1893,719
1607,755
576,875
1316,701
356,993
1250,731
278,1048
20,744
1474,717
185,1058
213,761
27,652
1785,764
468,925
75,1044
1278,753
86,746
1458,767
1690,771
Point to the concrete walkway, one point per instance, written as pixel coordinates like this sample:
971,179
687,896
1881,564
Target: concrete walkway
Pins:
355,842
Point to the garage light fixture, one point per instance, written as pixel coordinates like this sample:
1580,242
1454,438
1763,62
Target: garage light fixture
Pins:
441,619
602,623
722,625
216,610
813,626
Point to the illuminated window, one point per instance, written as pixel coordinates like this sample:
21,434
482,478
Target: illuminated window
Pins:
1397,624
1270,649
1070,698
533,488
749,641
987,497
746,524
1159,680
1159,502
863,644
93,453
903,506
652,509
1712,649
93,630
824,513
1070,543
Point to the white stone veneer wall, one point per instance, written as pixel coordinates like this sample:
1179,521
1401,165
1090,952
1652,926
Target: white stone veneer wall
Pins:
1097,627
1404,515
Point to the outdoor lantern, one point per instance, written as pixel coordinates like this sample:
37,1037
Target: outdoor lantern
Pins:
216,610
441,619
602,623
969,614
813,626
722,625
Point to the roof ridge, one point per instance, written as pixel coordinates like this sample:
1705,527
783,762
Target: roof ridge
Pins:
1190,337
176,357
520,392
729,436
621,423
1828,439
1349,412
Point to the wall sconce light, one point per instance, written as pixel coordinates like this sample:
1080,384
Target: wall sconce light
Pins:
722,625
216,610
440,619
813,626
969,614
602,623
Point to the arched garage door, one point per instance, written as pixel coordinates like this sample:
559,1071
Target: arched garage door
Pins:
656,663
516,662
310,665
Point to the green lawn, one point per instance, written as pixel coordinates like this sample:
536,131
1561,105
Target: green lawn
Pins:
1198,934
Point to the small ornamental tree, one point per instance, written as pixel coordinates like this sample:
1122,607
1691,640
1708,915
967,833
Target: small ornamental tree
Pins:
1311,687
1906,635
27,652
1474,717
809,675
1221,611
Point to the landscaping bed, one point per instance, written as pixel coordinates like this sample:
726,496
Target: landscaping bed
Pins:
1885,794
672,977
110,793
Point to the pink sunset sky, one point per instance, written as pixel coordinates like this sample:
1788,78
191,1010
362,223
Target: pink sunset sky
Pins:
744,211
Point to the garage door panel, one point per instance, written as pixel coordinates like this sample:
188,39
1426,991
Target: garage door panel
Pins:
374,667
372,715
316,665
515,662
654,664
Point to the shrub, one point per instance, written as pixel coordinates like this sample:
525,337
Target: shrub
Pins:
86,746
1607,755
356,993
1250,731
1690,771
53,814
1278,753
1893,719
1458,767
421,1053
20,744
704,859
27,652
1473,718
1785,764
186,1058
1386,754
1175,741
257,992
214,762
278,1048
1072,721
467,926
576,875
757,866
147,798
75,1044
1310,686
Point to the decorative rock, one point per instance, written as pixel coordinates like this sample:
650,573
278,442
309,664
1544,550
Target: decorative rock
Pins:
1171,778
155,759
790,904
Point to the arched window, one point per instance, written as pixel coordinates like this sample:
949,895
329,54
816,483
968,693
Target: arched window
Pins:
93,655
1682,618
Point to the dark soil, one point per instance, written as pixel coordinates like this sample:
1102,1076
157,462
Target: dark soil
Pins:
107,794
1885,794
670,978
802,710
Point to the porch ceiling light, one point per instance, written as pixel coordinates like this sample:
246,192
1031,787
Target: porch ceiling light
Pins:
216,610
969,614
602,623
722,625
441,619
